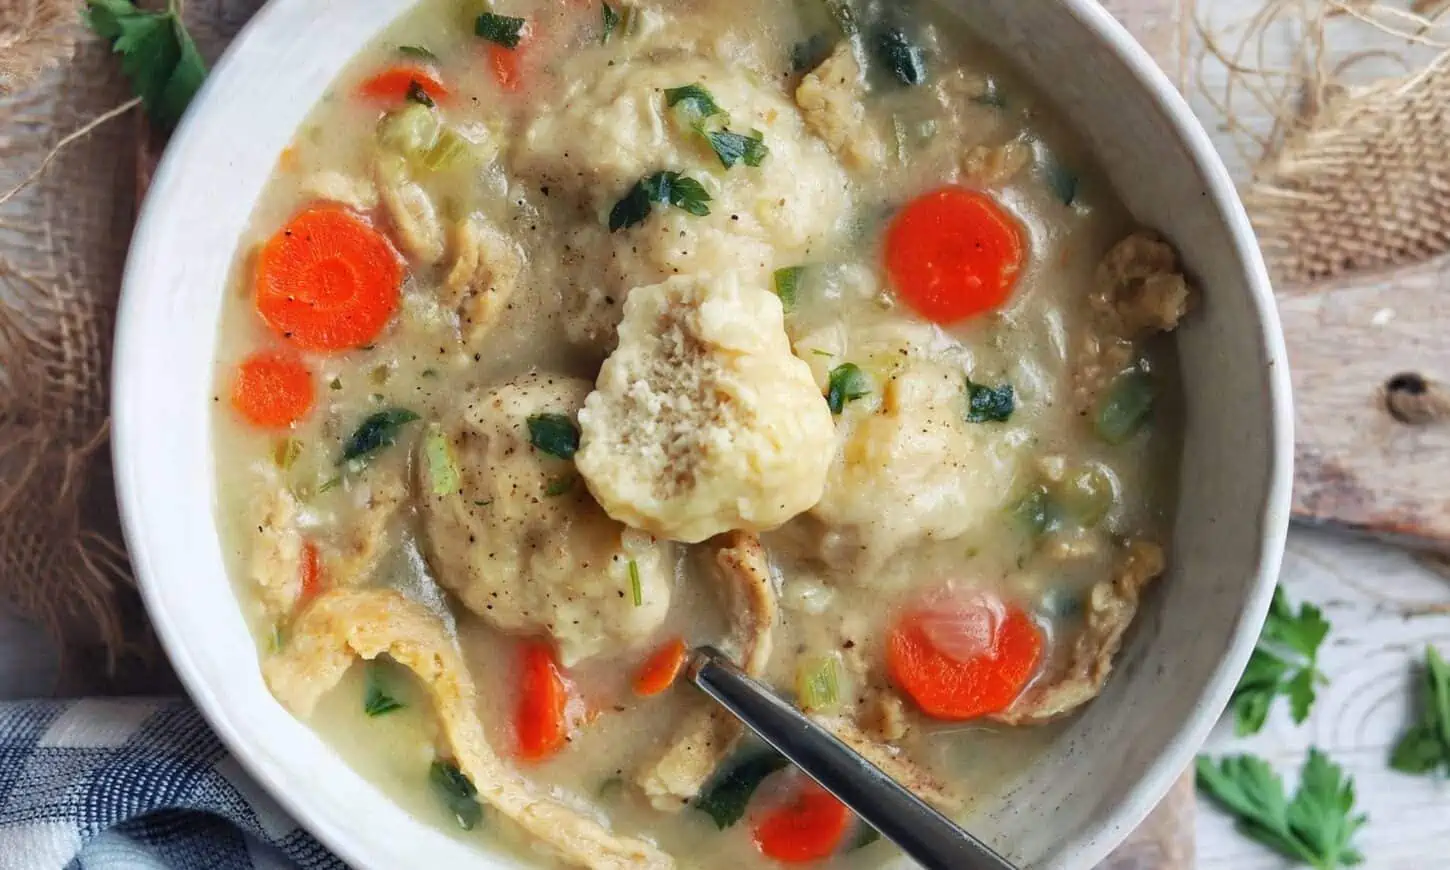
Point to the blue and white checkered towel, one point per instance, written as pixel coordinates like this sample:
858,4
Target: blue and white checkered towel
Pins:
136,784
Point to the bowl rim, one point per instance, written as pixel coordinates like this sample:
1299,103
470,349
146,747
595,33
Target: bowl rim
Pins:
1086,847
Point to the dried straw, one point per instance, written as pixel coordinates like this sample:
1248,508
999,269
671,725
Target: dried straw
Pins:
35,35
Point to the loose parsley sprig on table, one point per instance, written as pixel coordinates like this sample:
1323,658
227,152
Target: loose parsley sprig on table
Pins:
157,55
1315,827
1285,662
1426,746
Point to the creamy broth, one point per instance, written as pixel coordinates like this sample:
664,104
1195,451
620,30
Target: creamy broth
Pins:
495,174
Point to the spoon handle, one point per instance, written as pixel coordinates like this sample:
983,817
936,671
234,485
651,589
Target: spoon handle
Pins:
924,834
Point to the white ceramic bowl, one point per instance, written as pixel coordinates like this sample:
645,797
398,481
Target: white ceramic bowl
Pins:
1114,761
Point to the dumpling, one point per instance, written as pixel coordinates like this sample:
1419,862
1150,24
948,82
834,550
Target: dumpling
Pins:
522,543
908,468
703,421
607,133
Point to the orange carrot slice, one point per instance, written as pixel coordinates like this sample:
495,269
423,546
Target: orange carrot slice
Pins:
965,663
392,85
540,723
808,828
507,66
953,253
273,390
660,669
328,280
311,573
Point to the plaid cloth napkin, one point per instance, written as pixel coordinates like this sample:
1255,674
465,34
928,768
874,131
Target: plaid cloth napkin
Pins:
137,784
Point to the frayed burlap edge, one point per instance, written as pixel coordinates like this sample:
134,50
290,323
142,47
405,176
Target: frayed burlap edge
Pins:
35,35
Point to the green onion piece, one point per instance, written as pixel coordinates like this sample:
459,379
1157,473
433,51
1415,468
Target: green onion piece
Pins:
818,684
555,434
1125,407
787,282
438,456
457,792
636,588
448,151
409,131
377,699
285,452
611,21
846,383
330,483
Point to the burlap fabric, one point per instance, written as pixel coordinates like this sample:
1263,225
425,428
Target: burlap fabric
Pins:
1363,184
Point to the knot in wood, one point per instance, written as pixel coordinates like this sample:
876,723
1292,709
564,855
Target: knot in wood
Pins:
1411,398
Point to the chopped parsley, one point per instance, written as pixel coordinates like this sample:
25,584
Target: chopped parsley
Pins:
559,486
787,283
610,21
670,188
457,792
695,99
379,430
1426,746
500,29
1285,662
725,797
418,95
986,404
378,700
846,383
555,434
902,58
732,148
438,457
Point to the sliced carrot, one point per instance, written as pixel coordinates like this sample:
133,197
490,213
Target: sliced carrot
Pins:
660,669
392,85
808,828
273,390
507,65
975,675
328,280
953,253
311,573
541,723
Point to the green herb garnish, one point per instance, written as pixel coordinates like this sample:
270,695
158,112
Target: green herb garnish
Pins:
500,29
732,148
559,486
818,684
1285,662
787,283
457,792
902,58
555,434
611,21
636,588
725,797
377,698
158,56
846,383
376,432
1124,407
987,404
417,95
285,452
1315,827
693,98
335,384
1426,746
1037,513
671,188
417,51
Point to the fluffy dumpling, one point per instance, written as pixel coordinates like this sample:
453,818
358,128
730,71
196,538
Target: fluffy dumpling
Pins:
610,131
703,421
521,542
908,468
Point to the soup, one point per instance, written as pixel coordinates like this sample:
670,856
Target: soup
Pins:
567,336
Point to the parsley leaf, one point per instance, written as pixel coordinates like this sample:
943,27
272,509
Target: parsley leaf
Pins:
610,19
846,383
693,98
725,797
989,404
157,55
731,148
559,486
1285,662
376,432
1315,827
678,190
787,283
457,792
555,434
418,95
377,699
904,59
1426,746
500,29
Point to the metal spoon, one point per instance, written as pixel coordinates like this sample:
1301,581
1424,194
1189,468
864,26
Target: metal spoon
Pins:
924,834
